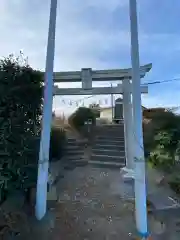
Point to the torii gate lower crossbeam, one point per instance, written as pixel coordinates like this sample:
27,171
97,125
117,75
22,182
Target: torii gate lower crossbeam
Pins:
97,90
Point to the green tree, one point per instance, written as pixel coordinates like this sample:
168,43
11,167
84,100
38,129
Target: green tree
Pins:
96,109
163,139
20,116
81,116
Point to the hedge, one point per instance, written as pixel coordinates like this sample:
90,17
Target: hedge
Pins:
58,143
20,113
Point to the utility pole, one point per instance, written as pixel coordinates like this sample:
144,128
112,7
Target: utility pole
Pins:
43,165
140,183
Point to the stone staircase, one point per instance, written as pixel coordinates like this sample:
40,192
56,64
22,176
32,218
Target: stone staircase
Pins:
74,157
75,154
108,148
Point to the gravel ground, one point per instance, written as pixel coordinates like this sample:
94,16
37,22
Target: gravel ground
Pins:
94,204
90,207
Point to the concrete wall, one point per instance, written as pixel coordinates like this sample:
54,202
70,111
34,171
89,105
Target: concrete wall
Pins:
106,114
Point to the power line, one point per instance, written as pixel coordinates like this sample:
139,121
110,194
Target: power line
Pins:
149,83
163,81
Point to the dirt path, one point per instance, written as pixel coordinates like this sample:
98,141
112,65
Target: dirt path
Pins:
94,204
90,207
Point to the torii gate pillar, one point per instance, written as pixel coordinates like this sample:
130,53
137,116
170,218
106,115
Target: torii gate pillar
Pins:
128,126
140,178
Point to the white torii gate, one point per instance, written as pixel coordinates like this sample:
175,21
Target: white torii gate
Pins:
87,76
132,114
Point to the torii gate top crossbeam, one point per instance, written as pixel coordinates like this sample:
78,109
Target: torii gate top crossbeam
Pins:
100,75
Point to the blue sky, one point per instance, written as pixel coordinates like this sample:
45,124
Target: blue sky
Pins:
95,33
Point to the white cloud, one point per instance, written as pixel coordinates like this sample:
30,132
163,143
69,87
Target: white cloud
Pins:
24,25
161,99
111,5
162,44
80,5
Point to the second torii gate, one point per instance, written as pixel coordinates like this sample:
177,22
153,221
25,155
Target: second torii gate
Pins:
86,76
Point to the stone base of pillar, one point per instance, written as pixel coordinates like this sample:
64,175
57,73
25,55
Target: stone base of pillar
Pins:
126,188
52,194
127,174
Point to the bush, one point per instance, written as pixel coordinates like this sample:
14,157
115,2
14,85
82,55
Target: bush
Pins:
162,139
162,160
164,120
174,183
82,115
57,143
96,109
163,155
20,108
148,135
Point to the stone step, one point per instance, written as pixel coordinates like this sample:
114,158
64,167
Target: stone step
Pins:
109,125
71,139
161,201
110,165
75,152
74,147
118,131
105,158
109,128
74,157
80,163
66,164
109,140
74,164
167,213
70,167
108,143
111,134
112,137
108,152
75,141
116,147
